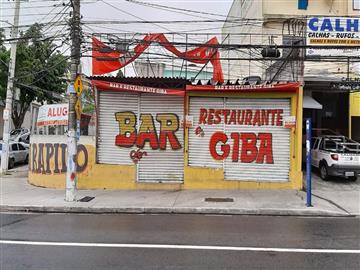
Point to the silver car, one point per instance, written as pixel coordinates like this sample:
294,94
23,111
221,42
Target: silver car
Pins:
18,153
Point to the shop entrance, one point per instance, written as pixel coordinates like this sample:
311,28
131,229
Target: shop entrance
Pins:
143,130
245,137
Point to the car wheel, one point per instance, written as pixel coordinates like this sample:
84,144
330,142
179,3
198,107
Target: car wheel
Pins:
324,172
353,178
11,163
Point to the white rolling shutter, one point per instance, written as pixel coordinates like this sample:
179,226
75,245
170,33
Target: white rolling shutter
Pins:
279,170
199,151
162,165
199,154
109,104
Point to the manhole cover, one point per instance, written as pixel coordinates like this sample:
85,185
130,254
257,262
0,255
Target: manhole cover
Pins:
219,200
86,199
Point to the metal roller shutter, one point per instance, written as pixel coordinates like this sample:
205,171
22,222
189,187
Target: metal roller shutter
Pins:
199,151
199,146
109,104
279,170
162,165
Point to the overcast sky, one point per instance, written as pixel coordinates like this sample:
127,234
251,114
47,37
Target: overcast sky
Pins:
45,10
93,11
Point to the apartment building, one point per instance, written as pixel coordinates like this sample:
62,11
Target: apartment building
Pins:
284,22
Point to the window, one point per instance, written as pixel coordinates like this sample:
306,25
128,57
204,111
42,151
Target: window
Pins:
14,147
330,145
21,147
356,4
315,143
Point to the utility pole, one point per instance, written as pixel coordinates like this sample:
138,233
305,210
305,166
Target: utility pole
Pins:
9,92
71,177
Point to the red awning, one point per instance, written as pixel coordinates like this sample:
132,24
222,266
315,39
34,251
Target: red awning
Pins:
278,87
123,87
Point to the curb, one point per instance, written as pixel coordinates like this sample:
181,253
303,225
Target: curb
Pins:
174,210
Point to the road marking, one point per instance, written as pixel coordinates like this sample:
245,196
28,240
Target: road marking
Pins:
193,247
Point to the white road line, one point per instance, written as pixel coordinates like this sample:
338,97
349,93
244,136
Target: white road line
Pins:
193,247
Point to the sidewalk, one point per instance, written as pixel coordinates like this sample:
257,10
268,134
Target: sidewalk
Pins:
333,198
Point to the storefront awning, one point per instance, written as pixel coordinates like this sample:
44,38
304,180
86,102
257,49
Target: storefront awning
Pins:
310,103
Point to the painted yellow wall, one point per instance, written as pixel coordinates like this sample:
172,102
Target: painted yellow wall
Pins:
95,176
102,176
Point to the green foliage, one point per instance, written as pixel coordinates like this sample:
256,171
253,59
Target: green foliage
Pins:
4,60
38,66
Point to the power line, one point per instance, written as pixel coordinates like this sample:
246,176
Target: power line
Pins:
175,9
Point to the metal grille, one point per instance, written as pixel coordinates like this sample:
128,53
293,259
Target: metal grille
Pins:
199,153
109,104
157,165
279,170
162,165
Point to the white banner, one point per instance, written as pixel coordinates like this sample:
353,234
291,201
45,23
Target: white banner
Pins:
53,115
333,31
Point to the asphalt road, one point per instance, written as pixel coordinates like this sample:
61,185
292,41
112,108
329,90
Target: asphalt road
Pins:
68,241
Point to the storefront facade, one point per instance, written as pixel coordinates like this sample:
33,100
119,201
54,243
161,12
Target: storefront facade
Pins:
194,137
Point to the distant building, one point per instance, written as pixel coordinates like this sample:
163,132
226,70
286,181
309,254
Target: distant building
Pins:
284,22
187,71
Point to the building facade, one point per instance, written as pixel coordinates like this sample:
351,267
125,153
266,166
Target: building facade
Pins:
170,134
284,22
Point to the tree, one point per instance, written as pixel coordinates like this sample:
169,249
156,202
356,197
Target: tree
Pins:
39,72
4,61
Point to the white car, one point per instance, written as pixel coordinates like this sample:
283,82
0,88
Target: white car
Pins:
20,135
18,153
336,156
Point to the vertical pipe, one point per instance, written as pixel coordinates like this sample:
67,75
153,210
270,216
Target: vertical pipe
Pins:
308,162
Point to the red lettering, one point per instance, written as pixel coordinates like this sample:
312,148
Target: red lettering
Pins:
211,116
273,112
235,151
225,148
256,120
232,119
202,117
241,119
127,130
265,149
248,147
147,132
150,137
217,117
226,113
248,117
264,117
279,117
169,124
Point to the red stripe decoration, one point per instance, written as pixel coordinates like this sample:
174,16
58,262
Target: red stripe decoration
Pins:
105,60
114,86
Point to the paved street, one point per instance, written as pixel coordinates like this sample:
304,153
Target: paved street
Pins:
71,241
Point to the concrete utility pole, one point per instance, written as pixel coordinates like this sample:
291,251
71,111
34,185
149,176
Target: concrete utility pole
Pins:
71,177
9,92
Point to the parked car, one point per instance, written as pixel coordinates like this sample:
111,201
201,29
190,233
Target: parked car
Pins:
20,135
18,153
336,155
